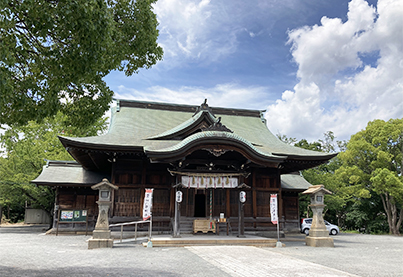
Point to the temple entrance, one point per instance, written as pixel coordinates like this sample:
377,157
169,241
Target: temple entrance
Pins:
200,204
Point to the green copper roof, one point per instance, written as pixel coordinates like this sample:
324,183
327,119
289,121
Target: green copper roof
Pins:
201,136
67,174
133,123
187,124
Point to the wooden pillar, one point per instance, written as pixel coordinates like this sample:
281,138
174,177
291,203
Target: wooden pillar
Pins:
187,202
280,201
228,207
56,208
143,185
113,181
172,205
298,208
176,233
241,221
254,203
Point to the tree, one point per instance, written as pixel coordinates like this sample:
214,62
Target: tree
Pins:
322,174
54,54
374,160
26,148
345,192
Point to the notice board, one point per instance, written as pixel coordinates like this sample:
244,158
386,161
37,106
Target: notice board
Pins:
72,216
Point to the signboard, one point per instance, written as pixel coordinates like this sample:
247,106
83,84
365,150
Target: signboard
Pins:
273,208
178,196
148,202
242,197
73,216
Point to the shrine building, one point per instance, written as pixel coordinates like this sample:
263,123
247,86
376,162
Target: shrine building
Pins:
209,154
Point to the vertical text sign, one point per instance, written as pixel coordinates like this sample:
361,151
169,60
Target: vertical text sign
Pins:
148,202
273,208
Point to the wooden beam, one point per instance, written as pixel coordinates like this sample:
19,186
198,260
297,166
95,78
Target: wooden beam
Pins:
93,160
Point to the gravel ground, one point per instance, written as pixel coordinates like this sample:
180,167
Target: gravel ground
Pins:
364,255
27,251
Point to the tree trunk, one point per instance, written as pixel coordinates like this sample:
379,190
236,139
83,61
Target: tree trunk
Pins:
399,222
391,214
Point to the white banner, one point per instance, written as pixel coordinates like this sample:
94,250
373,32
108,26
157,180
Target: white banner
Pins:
207,182
148,203
273,208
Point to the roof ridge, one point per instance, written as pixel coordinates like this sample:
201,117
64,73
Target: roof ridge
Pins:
186,107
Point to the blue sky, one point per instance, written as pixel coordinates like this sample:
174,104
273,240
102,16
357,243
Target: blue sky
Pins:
314,65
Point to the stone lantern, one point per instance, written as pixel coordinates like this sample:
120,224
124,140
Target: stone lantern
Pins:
318,234
101,236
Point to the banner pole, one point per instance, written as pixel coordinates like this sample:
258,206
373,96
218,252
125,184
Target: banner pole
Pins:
278,244
278,230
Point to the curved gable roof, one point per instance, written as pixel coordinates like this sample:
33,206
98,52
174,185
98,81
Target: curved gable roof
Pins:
138,126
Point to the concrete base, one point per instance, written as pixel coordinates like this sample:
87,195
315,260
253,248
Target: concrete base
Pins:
100,243
319,241
101,234
100,239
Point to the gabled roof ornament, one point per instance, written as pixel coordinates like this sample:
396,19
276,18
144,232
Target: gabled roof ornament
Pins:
217,126
204,107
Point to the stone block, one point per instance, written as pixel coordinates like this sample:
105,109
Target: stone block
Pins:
100,243
319,241
319,233
101,234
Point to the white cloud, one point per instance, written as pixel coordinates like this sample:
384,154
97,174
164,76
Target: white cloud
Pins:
325,101
222,95
186,29
205,31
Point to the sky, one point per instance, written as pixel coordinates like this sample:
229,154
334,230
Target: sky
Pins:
313,65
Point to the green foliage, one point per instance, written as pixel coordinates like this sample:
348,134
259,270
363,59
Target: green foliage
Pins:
373,162
365,178
314,146
366,215
54,54
26,148
324,174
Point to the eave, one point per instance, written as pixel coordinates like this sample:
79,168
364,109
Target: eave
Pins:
97,157
213,140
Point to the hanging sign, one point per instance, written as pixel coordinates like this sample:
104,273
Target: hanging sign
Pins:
242,197
148,203
178,196
273,208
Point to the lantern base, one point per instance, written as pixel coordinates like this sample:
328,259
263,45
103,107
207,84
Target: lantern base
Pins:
319,241
100,243
100,239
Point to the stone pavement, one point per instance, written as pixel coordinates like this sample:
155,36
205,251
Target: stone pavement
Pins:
29,252
252,261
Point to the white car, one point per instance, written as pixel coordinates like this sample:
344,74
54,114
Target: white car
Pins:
307,222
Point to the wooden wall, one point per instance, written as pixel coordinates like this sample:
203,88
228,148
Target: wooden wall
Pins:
78,199
133,177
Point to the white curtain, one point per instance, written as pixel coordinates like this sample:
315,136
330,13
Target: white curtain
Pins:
206,182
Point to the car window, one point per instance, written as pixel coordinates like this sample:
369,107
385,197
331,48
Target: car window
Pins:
309,221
